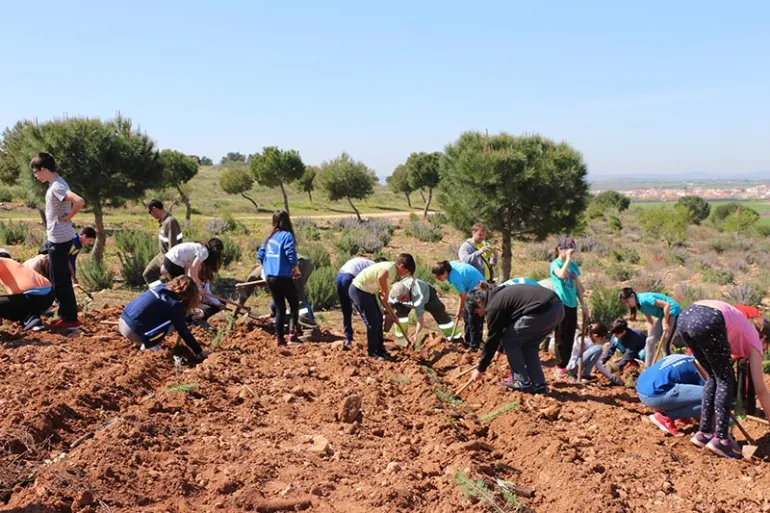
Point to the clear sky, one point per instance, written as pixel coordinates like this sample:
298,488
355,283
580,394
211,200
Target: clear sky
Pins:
663,87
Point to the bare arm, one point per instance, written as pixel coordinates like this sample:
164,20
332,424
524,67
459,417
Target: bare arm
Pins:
193,273
462,305
382,280
420,321
650,324
755,368
666,312
561,272
77,204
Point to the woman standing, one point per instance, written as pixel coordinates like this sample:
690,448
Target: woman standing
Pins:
713,330
653,305
278,257
565,276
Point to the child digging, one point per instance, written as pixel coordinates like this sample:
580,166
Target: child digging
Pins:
363,291
464,278
278,257
713,330
628,341
656,306
592,352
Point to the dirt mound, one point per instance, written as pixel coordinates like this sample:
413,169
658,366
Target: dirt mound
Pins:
88,424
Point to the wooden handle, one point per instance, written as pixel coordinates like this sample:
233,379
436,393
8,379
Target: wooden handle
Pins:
248,283
462,388
745,433
759,420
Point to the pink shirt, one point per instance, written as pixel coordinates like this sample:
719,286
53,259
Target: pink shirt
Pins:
741,334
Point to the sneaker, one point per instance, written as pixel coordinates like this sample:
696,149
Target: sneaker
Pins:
473,349
381,356
347,345
701,439
507,380
665,424
294,340
724,449
66,327
540,389
561,375
519,386
34,324
280,343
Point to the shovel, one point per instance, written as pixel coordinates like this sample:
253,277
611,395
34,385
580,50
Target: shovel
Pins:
462,388
660,347
392,314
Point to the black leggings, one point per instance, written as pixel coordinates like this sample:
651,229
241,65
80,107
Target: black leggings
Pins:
282,289
703,330
565,337
173,270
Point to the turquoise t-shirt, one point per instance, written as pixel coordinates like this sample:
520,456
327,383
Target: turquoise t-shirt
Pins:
565,288
464,277
646,304
519,281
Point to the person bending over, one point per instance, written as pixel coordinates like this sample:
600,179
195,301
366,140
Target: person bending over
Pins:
628,341
411,293
30,294
149,318
592,352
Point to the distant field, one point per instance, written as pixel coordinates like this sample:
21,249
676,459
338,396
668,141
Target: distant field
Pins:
763,207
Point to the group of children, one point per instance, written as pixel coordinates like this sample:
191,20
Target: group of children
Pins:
519,313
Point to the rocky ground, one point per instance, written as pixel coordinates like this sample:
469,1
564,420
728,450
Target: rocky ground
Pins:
88,424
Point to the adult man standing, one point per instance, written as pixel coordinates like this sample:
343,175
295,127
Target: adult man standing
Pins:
169,235
477,252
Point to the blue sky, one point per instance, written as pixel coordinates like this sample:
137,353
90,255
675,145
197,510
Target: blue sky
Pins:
663,87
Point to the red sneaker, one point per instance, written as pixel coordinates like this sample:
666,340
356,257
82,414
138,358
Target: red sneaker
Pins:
665,424
63,326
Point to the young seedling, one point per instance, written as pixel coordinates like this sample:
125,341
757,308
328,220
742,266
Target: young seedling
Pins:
185,388
481,491
489,417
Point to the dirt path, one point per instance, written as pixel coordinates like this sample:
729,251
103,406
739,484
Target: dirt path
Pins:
88,424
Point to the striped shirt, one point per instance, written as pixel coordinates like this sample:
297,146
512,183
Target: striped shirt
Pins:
57,207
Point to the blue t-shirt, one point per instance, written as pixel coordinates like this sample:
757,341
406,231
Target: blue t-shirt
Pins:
565,288
464,277
519,281
676,369
646,304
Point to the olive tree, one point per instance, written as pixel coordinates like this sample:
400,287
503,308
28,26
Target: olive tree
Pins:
423,171
399,183
178,169
525,187
238,180
346,178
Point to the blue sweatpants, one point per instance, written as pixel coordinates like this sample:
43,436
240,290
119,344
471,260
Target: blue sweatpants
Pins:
343,282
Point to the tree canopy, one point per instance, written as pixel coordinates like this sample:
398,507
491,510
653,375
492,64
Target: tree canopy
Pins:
666,224
238,180
105,162
424,172
346,178
399,183
205,161
178,169
234,157
276,168
525,187
698,208
306,182
612,199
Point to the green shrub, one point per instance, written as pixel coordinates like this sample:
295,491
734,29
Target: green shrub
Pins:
13,233
234,226
650,283
718,276
422,231
539,274
232,251
586,244
135,250
614,224
677,257
438,219
619,272
686,294
719,246
362,241
306,229
5,195
94,275
320,288
318,254
605,306
762,230
542,252
628,255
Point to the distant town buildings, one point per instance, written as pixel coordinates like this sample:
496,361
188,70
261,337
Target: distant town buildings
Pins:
751,192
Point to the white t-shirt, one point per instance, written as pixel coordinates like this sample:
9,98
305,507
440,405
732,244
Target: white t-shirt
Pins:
355,265
56,207
184,254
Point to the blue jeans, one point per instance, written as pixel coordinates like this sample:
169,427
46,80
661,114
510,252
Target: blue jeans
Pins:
342,282
367,306
681,402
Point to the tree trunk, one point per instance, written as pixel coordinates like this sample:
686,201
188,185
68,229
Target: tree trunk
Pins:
422,194
98,252
506,236
252,201
186,201
408,200
42,217
427,204
310,195
358,214
285,199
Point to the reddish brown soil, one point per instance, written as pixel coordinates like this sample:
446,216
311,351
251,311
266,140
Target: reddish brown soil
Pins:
263,431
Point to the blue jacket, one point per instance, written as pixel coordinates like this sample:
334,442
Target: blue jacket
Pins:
278,256
152,313
663,375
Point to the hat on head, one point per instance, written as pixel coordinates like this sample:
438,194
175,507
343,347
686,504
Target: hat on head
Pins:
4,253
567,243
398,290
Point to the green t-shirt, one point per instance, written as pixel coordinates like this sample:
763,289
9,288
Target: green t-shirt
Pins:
566,288
367,279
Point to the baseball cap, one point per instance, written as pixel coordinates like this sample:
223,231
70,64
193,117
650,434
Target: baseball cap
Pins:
567,243
4,253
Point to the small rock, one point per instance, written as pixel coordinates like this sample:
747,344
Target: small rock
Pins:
392,467
378,432
321,446
351,429
350,409
598,468
317,491
85,499
431,469
552,412
337,346
668,487
288,398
